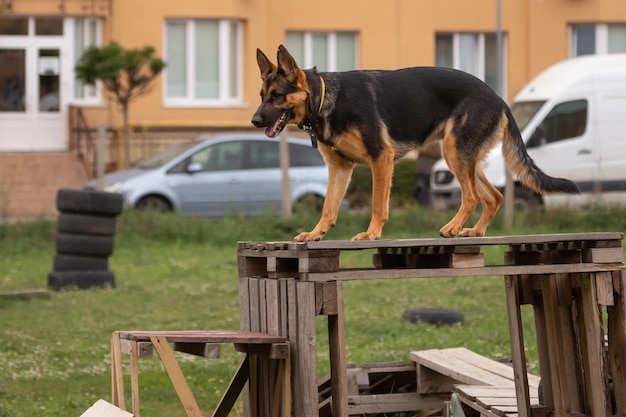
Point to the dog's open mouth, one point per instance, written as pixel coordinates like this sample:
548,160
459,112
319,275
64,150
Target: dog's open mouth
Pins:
278,125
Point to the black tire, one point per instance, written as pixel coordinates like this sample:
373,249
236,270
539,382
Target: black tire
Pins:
525,200
84,245
309,203
87,224
436,316
80,263
89,202
154,202
81,279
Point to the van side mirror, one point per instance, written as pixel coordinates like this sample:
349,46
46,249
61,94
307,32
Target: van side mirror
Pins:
537,139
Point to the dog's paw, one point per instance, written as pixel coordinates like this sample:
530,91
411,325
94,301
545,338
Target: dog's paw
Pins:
365,236
308,236
447,233
470,232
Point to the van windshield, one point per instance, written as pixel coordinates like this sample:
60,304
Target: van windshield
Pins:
524,111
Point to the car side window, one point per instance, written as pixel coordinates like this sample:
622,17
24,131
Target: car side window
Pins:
566,120
304,156
226,156
262,155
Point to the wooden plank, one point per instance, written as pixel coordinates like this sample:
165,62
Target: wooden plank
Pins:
603,255
593,358
455,367
244,303
144,349
205,350
473,391
117,376
134,377
102,408
296,378
234,389
484,412
254,307
176,376
306,360
558,363
516,333
466,241
604,288
394,403
543,352
617,342
373,273
337,353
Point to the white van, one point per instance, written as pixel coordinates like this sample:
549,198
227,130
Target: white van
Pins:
572,117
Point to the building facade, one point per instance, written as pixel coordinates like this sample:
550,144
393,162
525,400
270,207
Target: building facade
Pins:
212,79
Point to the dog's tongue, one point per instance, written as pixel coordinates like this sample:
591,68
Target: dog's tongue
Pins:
271,132
277,127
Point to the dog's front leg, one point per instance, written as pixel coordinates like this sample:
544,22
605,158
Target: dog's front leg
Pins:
382,173
339,175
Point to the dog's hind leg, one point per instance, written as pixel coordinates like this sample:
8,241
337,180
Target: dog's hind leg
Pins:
339,175
490,200
463,170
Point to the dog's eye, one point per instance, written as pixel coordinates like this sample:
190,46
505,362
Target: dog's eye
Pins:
275,95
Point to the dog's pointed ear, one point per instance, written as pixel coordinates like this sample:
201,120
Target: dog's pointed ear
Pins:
287,65
265,65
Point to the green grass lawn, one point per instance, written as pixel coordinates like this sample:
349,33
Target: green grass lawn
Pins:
176,273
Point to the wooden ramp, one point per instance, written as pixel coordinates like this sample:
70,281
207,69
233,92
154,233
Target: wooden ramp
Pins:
482,385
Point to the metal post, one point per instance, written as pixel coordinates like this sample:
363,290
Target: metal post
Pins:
509,188
284,167
100,140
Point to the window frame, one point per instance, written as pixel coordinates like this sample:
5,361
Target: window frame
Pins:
601,45
479,54
89,98
225,75
331,48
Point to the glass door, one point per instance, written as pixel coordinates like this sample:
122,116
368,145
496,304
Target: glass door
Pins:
32,76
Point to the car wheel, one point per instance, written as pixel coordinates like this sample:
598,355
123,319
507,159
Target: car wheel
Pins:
86,224
526,200
309,203
84,245
154,202
89,202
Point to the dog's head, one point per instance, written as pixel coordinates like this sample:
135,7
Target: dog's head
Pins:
284,93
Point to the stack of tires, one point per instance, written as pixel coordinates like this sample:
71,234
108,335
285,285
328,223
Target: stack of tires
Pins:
86,228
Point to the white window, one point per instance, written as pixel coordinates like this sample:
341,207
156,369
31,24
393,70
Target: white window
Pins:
328,51
602,38
203,58
87,32
474,53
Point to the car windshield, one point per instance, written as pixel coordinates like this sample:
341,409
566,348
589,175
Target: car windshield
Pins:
166,156
524,111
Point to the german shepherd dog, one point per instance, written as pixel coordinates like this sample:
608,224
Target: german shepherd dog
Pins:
375,117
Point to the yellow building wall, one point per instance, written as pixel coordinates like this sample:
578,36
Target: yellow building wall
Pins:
392,34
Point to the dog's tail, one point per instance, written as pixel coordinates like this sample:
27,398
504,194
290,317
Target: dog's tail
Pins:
522,165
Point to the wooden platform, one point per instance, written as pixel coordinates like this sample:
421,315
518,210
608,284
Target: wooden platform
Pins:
575,283
483,385
271,395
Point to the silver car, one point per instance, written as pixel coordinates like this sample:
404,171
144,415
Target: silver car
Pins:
218,175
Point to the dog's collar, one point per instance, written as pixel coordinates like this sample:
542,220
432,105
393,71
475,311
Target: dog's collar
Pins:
308,127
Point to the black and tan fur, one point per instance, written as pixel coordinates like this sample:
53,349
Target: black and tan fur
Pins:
375,117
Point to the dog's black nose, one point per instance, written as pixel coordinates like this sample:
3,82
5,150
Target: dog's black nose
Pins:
257,120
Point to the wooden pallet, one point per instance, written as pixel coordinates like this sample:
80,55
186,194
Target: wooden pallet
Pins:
574,281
